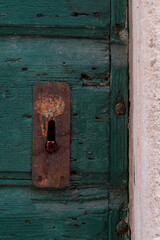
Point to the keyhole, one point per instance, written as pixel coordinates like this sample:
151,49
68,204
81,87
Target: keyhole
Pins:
51,131
51,145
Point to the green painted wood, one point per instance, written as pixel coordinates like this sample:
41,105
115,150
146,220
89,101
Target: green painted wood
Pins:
75,213
119,123
49,17
118,214
25,62
66,32
118,177
119,22
83,43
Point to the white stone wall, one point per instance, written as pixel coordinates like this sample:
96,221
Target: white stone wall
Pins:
145,119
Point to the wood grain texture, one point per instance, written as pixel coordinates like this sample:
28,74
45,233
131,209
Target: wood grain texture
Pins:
118,214
119,123
82,43
119,22
75,213
56,18
52,32
118,177
83,65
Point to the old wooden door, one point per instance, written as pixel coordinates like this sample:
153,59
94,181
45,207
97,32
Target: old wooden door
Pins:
82,43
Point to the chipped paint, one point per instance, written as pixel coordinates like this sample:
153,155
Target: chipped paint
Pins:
49,108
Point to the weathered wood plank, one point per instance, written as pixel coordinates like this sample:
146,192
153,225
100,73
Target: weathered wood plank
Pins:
78,213
118,201
86,209
119,22
38,17
119,123
118,214
76,178
65,32
88,155
26,61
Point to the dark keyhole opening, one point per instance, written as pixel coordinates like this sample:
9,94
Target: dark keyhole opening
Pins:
51,145
51,131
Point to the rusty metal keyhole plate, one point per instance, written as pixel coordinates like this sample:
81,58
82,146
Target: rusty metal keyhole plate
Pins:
51,155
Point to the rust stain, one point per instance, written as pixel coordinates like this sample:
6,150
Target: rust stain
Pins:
120,108
51,159
50,107
51,146
43,126
27,221
122,227
24,69
118,29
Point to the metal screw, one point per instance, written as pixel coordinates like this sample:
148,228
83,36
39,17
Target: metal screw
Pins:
122,227
120,108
